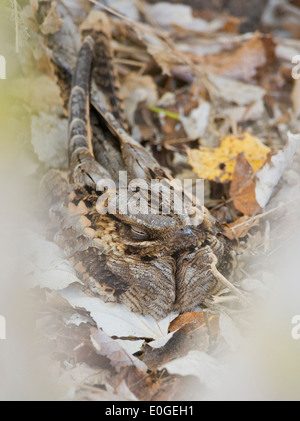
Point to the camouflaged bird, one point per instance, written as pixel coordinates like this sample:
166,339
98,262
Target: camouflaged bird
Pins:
152,263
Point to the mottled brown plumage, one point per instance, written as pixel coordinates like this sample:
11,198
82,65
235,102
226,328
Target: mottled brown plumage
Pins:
152,263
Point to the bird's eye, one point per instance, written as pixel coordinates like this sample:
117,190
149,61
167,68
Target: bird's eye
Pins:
139,234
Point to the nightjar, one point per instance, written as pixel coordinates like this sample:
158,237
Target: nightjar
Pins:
154,260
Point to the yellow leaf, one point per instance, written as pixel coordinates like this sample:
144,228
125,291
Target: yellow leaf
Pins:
217,164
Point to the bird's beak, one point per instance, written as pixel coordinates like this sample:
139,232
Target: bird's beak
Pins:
185,231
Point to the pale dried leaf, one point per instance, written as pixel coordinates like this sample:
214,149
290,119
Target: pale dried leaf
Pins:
40,94
131,346
229,331
108,347
257,287
199,364
196,123
50,140
164,53
69,381
77,319
124,392
240,227
158,343
242,189
125,7
231,90
115,319
240,114
244,62
269,176
166,15
46,265
52,22
136,89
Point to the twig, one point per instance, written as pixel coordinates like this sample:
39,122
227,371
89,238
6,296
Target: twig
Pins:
129,62
225,281
289,9
167,113
16,19
267,237
262,215
225,299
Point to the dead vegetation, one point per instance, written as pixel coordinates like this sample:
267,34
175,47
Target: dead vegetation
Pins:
209,100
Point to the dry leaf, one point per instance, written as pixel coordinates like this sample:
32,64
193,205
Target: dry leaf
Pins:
49,139
195,124
167,15
131,346
52,22
199,364
242,189
231,90
243,63
190,336
115,319
142,385
185,318
259,287
240,227
269,176
165,56
229,331
108,347
124,392
40,94
226,92
81,374
162,49
77,319
136,89
245,113
159,343
217,164
125,7
46,264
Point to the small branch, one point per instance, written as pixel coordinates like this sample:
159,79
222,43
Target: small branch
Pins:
226,299
16,18
265,213
227,283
